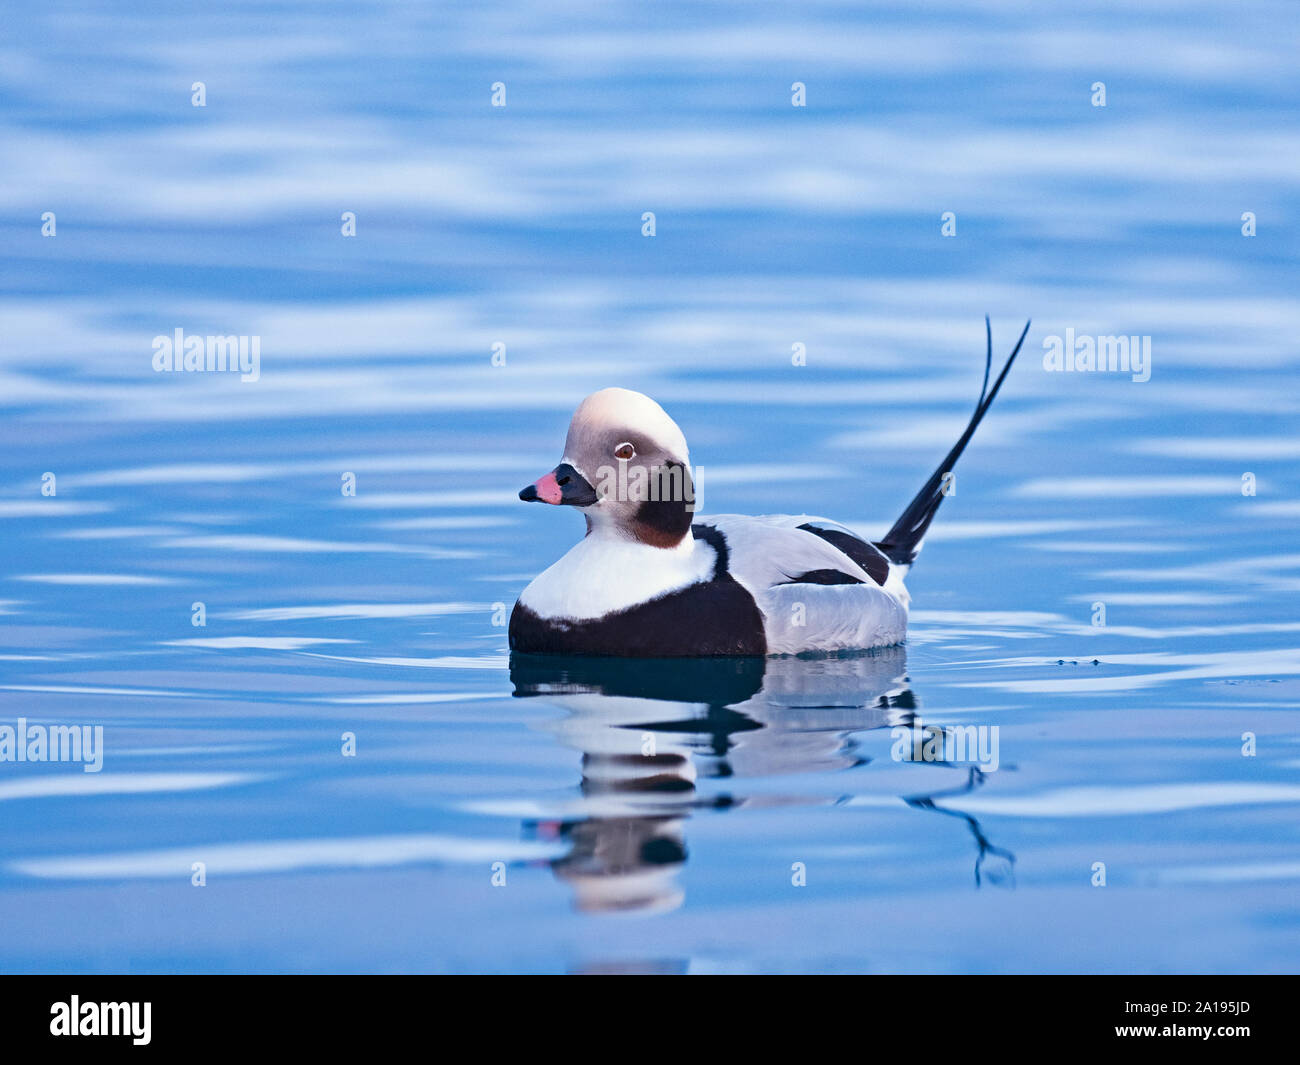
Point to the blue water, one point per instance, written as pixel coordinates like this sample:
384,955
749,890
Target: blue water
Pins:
493,820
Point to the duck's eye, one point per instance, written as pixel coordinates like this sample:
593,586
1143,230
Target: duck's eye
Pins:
624,451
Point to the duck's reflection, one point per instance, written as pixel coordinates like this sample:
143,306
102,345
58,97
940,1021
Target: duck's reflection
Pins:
647,728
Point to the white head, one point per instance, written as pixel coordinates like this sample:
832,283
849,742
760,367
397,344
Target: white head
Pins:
626,467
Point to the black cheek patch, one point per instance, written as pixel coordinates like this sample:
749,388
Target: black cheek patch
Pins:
666,516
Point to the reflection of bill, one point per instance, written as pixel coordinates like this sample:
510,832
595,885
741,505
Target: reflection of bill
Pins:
646,728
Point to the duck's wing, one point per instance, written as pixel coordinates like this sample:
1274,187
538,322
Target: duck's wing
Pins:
776,546
817,584
775,549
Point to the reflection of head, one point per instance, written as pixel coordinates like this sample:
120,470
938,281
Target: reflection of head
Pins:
628,861
624,864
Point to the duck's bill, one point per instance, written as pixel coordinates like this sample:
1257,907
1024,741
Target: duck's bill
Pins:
563,486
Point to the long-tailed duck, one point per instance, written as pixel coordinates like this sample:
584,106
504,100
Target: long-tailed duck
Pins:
648,580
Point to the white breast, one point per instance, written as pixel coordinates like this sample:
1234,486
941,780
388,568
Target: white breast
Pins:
605,572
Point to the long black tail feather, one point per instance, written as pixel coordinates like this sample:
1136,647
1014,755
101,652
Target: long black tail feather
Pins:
902,543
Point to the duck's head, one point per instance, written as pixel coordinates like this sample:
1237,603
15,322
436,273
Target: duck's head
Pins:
625,467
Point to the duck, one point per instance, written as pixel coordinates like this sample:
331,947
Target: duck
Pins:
652,579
